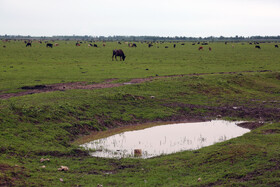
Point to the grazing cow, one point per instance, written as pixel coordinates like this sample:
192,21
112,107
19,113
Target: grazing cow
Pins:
77,44
118,52
28,44
137,152
174,45
150,45
49,45
134,45
210,49
56,44
276,46
200,48
89,45
193,44
94,45
258,47
166,46
4,46
104,45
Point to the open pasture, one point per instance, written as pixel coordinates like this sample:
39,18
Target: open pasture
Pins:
41,132
27,66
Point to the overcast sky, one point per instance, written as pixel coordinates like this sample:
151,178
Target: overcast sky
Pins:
143,17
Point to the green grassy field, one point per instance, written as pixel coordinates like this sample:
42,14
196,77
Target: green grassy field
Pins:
47,125
22,65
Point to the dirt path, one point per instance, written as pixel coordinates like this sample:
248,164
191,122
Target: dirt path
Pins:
106,84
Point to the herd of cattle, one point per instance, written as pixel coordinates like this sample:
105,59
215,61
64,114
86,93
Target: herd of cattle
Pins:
120,53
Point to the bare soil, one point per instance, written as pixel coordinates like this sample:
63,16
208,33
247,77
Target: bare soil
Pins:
27,90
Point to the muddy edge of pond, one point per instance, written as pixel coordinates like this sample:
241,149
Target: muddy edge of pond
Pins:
251,125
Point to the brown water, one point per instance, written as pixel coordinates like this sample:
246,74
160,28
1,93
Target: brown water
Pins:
165,139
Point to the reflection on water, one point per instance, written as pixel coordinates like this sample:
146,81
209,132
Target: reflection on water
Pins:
165,139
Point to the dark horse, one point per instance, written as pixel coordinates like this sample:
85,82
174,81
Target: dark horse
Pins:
49,45
118,52
28,44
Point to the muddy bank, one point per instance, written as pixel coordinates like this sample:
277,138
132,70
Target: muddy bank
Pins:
27,90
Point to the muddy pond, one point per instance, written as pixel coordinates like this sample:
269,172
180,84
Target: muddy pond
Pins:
165,139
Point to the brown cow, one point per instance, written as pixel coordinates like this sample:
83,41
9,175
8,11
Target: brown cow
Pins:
200,48
118,52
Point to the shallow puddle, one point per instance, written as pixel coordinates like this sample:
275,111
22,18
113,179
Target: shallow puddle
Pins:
165,139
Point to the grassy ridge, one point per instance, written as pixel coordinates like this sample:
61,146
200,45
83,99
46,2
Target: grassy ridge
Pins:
45,124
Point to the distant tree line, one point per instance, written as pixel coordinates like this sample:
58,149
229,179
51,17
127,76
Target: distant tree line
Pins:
143,38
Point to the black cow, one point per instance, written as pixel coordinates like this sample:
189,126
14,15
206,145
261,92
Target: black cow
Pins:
94,45
258,47
28,44
174,45
150,45
118,52
276,46
134,45
49,45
